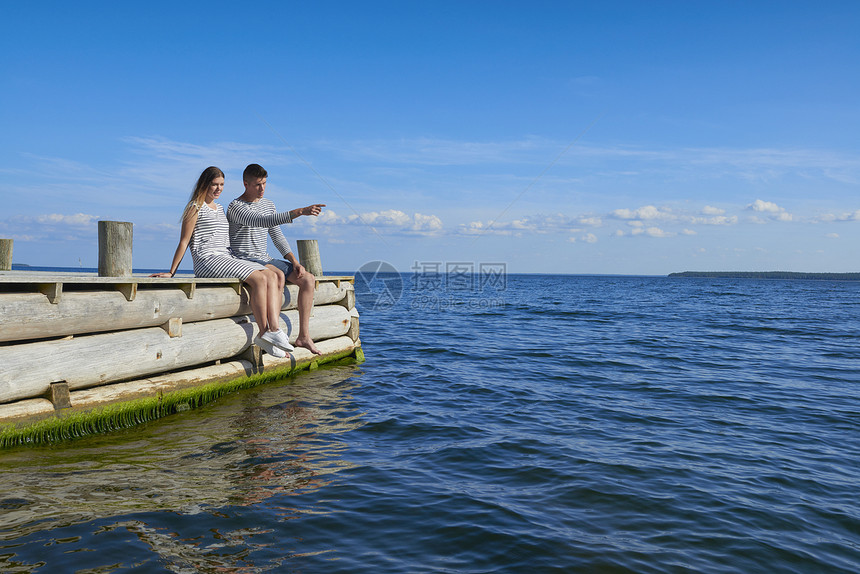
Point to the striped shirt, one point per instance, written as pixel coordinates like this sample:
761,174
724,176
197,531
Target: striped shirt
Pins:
250,221
210,235
210,244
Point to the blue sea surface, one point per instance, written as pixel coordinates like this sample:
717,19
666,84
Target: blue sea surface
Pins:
535,423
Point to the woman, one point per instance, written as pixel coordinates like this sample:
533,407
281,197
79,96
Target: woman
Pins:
205,231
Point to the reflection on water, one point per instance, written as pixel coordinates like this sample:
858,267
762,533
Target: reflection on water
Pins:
236,452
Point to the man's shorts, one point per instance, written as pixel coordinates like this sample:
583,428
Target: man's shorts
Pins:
284,266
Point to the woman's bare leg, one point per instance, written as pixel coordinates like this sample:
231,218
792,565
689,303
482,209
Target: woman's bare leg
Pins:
258,287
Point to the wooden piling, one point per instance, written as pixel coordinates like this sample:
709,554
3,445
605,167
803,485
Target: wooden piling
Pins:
309,256
115,241
5,254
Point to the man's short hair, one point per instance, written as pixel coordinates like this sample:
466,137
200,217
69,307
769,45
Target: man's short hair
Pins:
254,171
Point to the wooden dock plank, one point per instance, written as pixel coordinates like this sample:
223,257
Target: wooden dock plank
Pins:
40,277
27,314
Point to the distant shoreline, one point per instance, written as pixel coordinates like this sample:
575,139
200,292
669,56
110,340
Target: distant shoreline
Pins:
770,275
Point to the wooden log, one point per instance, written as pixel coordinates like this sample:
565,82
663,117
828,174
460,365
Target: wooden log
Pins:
26,316
25,409
309,255
92,360
326,322
6,254
88,398
115,242
32,316
153,386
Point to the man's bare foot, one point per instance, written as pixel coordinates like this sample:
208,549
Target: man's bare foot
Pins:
308,344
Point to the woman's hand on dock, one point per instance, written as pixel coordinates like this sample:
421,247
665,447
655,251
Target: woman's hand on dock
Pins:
168,275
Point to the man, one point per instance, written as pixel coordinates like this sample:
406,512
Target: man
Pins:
247,215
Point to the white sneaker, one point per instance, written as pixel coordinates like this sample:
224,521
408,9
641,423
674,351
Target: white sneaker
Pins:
279,339
269,348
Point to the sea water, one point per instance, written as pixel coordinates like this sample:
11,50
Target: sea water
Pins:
527,423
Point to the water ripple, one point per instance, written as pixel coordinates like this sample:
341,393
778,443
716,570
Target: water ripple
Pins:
619,424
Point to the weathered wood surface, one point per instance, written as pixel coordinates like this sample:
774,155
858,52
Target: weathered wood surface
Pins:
195,377
28,408
6,254
115,241
152,386
25,316
353,324
29,369
22,277
309,255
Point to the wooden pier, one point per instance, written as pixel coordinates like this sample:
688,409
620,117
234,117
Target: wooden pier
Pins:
75,342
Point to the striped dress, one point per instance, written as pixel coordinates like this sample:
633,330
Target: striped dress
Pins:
250,222
210,244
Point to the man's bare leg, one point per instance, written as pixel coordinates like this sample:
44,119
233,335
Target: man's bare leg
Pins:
305,302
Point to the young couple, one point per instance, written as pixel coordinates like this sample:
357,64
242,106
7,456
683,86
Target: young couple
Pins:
235,246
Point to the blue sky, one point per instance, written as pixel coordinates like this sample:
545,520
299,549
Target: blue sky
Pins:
625,137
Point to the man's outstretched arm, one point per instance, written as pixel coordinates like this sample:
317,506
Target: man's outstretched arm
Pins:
240,212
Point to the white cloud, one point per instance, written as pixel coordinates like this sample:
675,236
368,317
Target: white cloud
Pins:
715,220
645,212
78,219
593,221
709,216
648,231
828,217
832,235
51,227
771,209
492,228
657,232
392,220
426,222
764,206
586,237
538,224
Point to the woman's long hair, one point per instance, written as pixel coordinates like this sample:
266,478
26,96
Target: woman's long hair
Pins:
198,196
